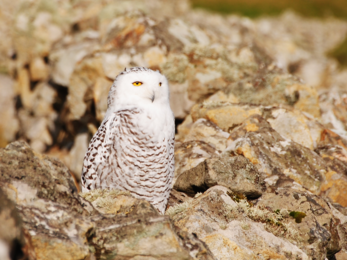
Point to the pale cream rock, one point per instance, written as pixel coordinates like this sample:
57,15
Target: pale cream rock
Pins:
38,69
203,130
100,90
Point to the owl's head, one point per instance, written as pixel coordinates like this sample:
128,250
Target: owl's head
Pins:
137,87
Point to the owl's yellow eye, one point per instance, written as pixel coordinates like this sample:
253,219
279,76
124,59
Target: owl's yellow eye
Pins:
159,84
137,83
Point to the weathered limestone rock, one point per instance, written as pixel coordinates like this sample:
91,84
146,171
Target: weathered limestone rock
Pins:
81,83
290,123
333,103
184,128
120,203
335,185
66,54
273,154
38,69
101,89
190,154
154,237
176,197
236,173
48,203
235,228
76,155
11,235
60,224
204,130
313,221
293,125
271,87
224,114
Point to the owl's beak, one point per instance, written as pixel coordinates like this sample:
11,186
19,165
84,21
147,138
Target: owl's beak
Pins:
153,97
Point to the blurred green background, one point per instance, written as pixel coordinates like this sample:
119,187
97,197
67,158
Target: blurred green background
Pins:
256,8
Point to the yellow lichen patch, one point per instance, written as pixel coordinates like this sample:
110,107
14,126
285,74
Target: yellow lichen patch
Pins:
223,248
328,156
227,117
269,254
223,114
246,151
251,127
330,175
154,56
55,250
308,101
335,188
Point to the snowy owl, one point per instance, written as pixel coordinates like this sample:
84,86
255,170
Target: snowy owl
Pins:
133,148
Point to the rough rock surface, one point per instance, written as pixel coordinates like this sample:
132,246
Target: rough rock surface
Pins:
11,234
236,173
60,224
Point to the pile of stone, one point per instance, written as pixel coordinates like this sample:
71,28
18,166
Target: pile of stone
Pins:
260,154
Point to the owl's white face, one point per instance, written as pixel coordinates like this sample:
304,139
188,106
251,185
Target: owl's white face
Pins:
139,87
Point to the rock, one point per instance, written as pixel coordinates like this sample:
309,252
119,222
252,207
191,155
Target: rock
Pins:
293,125
333,104
190,154
273,154
290,223
154,237
66,54
60,224
298,48
269,86
117,202
335,185
101,89
330,138
290,123
52,214
340,214
81,82
233,228
203,130
76,155
11,235
312,220
224,114
38,69
307,98
23,87
236,173
36,129
176,197
9,124
342,255
221,96
183,129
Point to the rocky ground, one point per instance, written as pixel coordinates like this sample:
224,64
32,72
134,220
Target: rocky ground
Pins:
261,144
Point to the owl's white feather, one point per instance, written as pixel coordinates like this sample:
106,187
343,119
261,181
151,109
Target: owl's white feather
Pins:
133,148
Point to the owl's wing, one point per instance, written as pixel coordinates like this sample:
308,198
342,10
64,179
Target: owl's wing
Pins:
97,154
172,156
